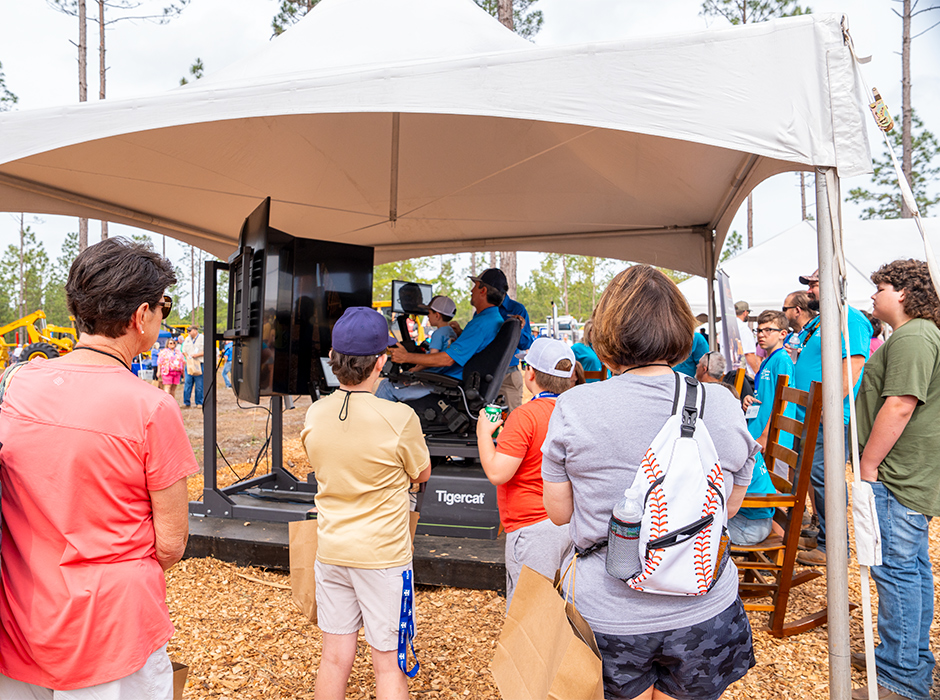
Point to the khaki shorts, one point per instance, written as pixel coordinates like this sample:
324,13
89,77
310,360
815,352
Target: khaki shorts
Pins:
349,599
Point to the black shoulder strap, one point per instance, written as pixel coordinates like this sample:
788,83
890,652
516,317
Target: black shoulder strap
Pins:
690,407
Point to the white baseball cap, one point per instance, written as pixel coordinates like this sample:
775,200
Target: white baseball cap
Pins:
443,305
546,353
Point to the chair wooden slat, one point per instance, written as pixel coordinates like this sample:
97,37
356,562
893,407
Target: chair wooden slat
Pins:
600,374
782,485
784,454
790,425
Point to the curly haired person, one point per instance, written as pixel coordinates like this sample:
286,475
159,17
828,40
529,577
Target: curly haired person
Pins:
898,412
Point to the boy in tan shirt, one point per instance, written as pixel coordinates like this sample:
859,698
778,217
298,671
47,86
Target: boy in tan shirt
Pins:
365,453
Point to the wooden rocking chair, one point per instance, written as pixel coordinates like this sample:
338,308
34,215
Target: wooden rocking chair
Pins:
767,568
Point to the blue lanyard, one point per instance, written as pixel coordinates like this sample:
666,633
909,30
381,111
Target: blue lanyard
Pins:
761,368
544,395
406,627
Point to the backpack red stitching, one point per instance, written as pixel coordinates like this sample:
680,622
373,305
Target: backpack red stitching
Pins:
703,563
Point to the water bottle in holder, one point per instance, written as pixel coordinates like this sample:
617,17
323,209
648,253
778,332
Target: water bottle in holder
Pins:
623,535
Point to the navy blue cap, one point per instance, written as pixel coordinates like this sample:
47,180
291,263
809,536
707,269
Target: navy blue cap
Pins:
361,331
495,278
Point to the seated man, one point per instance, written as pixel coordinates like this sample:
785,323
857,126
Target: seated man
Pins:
479,333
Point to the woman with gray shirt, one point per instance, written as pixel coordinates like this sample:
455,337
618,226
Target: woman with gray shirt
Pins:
653,646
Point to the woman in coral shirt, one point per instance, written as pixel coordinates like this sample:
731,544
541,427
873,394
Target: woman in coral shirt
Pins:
93,469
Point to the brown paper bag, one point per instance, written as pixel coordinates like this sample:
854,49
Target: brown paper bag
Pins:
180,672
546,650
302,539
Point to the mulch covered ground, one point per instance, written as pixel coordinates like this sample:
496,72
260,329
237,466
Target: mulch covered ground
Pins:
243,638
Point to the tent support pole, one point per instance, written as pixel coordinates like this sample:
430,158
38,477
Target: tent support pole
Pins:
837,575
393,188
710,265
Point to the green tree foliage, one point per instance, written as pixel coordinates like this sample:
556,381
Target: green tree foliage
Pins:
196,71
526,21
581,278
290,12
884,199
749,11
56,306
734,243
7,98
32,283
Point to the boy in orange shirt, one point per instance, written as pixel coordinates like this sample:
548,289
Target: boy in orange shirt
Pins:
514,465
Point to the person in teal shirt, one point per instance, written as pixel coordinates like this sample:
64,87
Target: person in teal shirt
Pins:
808,370
584,353
753,525
699,348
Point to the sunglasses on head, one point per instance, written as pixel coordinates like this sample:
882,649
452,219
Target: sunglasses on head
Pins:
166,306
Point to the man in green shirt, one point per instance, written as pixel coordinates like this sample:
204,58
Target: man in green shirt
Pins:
898,413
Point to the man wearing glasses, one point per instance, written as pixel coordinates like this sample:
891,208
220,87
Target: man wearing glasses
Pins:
808,370
752,525
798,314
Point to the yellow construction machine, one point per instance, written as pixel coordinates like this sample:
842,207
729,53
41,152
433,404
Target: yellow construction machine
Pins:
42,339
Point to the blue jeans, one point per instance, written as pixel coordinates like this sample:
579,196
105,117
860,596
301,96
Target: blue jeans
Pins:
398,392
905,598
818,480
745,531
227,374
188,388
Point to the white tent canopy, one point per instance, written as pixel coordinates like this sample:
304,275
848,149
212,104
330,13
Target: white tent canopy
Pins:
766,273
429,128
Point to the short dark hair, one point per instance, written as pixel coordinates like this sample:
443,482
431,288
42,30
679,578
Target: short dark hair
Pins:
913,276
549,382
494,296
445,318
642,317
108,281
799,299
351,370
778,318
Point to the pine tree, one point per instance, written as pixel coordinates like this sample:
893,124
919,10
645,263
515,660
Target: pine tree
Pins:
885,199
290,12
7,99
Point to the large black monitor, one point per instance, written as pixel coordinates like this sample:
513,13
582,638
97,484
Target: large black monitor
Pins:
285,294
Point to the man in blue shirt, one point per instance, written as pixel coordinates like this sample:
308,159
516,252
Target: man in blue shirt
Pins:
752,525
511,387
480,332
809,369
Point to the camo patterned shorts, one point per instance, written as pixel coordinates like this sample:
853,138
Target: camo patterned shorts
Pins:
689,663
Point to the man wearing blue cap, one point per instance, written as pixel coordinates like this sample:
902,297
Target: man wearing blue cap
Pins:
480,332
365,454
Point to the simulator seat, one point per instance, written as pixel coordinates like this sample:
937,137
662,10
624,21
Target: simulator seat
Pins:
452,407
